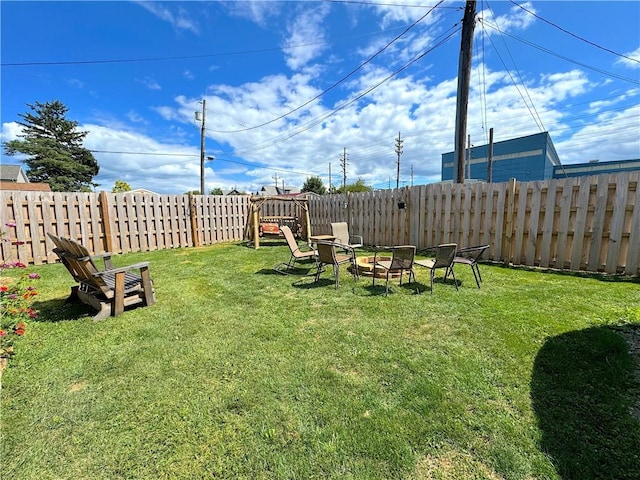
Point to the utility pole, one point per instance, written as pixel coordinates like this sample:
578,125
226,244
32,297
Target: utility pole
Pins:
330,177
343,161
275,179
204,104
399,152
412,174
490,157
464,76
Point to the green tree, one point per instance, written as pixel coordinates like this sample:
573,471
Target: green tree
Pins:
216,191
121,186
54,150
314,184
358,186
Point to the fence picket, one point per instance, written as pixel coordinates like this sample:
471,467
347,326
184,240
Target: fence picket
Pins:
617,223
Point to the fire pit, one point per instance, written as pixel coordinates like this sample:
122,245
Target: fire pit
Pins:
366,268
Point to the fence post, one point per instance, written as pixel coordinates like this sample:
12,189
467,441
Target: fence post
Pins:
194,221
507,234
106,222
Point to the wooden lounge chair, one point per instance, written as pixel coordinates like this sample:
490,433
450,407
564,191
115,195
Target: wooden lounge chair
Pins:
340,230
109,290
327,255
296,252
445,254
401,261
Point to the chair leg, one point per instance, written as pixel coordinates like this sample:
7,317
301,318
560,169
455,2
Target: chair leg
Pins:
336,274
431,274
455,282
387,286
478,270
475,275
354,269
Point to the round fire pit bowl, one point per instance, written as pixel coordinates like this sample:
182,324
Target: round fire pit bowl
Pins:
365,267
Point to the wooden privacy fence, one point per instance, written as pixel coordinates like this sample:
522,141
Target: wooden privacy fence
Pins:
118,223
583,223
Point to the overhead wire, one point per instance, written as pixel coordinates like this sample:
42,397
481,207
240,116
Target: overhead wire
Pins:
562,57
574,35
345,104
176,154
375,151
339,82
534,113
185,57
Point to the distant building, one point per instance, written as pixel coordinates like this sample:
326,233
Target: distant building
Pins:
527,158
272,191
233,191
12,177
594,167
12,173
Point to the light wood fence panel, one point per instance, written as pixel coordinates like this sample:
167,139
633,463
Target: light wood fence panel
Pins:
584,223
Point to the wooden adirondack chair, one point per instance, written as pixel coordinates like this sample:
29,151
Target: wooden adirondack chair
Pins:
109,290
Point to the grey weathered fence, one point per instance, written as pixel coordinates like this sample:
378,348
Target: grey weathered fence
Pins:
583,223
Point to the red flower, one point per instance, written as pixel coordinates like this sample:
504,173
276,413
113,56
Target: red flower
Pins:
4,288
3,333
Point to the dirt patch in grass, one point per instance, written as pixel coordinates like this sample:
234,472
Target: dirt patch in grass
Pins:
452,464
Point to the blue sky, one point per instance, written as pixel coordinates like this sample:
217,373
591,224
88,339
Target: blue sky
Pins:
290,84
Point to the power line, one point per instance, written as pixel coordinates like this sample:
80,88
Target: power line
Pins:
535,117
574,35
342,80
253,165
562,57
188,57
312,123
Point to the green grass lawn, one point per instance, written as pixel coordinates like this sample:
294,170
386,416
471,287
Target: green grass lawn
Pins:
238,372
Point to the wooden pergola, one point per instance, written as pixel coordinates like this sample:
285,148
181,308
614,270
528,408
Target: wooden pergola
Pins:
257,201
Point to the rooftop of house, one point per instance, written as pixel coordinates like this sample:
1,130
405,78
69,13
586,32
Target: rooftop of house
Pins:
12,173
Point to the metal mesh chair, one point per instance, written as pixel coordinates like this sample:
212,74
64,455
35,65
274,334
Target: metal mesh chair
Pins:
401,261
471,256
327,255
445,254
340,230
296,252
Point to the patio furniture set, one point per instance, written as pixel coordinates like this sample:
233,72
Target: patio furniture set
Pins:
340,248
110,290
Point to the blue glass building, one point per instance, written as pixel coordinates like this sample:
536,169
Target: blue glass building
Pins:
527,158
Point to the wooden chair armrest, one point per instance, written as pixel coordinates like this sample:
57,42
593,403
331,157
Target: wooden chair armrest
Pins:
135,266
106,258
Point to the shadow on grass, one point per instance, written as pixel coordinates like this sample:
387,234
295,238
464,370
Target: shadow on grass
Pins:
59,310
603,277
582,390
283,271
274,242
